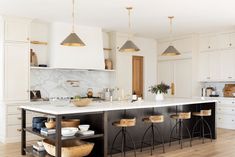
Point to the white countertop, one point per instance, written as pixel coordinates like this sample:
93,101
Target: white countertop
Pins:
59,108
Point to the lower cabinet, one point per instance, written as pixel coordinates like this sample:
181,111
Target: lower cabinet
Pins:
225,114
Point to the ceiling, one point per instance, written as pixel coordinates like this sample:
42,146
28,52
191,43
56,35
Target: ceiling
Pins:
149,17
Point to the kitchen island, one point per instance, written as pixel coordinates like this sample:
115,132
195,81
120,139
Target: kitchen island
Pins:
100,116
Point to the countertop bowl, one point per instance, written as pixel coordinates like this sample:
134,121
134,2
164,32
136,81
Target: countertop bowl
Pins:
70,148
81,102
50,125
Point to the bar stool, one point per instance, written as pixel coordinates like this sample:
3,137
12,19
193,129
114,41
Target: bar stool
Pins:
124,124
181,117
155,119
203,122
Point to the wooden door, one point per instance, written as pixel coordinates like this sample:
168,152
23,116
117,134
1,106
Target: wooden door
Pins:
137,75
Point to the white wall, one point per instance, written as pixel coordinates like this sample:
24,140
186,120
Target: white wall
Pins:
148,49
90,56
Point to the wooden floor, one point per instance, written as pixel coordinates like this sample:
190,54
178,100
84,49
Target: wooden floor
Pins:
224,146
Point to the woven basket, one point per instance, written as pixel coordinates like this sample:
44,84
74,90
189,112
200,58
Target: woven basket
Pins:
70,123
70,148
81,102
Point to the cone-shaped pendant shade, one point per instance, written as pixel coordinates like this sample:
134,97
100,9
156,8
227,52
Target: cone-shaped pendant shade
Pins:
72,40
171,51
129,46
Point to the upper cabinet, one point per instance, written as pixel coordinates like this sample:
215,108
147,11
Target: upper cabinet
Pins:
208,43
228,65
226,40
16,30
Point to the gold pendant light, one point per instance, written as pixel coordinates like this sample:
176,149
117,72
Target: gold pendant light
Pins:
171,50
129,46
73,39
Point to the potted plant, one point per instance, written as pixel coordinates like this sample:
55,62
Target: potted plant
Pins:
159,90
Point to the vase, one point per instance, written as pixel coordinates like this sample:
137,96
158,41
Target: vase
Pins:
159,96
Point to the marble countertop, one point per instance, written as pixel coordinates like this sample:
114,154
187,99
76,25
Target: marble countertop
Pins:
64,107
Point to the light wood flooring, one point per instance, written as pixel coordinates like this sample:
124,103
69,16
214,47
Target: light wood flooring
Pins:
224,146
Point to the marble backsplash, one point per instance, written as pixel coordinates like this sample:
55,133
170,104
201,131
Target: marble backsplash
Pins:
57,83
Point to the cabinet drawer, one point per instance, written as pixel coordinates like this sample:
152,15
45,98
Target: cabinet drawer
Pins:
13,110
226,110
16,119
227,103
225,119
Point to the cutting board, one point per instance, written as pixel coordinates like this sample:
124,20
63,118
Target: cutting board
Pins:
229,89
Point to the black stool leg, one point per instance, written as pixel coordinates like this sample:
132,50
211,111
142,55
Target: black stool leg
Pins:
194,127
111,153
203,131
188,133
132,142
208,128
162,138
142,141
172,132
181,134
153,138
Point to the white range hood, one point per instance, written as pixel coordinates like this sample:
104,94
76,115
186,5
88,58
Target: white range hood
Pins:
90,56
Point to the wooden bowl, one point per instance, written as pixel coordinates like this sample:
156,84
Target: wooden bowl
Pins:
81,102
70,148
50,125
70,123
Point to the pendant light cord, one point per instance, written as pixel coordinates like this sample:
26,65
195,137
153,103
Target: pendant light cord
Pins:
129,21
73,16
171,30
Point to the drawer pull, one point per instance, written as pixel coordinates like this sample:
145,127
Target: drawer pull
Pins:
232,120
19,118
19,130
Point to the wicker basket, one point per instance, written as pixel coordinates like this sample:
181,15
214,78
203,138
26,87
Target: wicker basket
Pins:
70,123
70,148
81,102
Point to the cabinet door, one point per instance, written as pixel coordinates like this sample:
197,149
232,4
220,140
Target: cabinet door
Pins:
214,66
17,30
165,73
208,43
227,65
183,78
204,74
17,72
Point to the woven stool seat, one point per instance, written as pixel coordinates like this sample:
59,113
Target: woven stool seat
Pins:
154,119
181,115
202,113
125,122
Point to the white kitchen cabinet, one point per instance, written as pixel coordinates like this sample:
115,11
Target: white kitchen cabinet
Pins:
17,30
179,73
183,78
166,73
16,71
227,65
209,66
208,43
225,114
226,41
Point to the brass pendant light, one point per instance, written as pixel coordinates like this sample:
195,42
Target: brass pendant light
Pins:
129,46
171,50
73,39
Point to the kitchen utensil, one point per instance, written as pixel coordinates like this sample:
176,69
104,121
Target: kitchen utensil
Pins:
81,102
69,131
70,122
70,148
84,127
89,92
